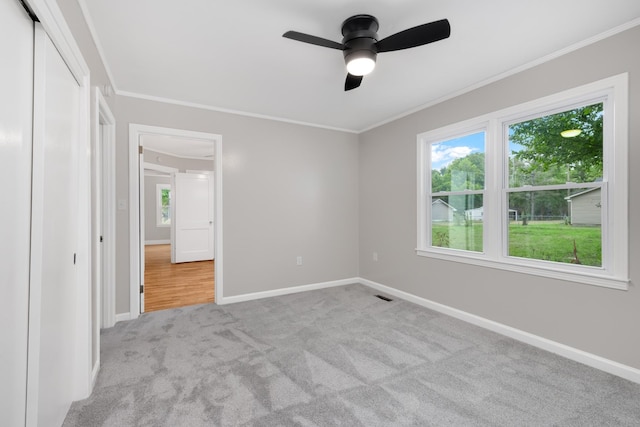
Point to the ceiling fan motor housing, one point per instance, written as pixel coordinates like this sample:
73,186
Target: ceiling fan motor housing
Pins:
360,37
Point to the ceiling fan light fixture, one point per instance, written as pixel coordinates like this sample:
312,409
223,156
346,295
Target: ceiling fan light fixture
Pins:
360,66
570,133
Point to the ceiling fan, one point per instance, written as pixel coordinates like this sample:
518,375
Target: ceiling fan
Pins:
360,44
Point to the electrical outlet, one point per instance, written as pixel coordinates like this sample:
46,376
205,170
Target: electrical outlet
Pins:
299,260
375,256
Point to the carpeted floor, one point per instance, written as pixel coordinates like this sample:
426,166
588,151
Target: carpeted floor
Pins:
338,357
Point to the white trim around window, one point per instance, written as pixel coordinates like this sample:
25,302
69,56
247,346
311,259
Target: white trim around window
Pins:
614,271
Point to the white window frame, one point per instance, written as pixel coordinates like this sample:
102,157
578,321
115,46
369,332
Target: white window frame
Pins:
614,273
159,188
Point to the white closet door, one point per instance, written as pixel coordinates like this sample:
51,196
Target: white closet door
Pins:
16,103
192,217
54,237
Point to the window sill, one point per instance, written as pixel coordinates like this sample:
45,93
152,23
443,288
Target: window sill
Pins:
517,266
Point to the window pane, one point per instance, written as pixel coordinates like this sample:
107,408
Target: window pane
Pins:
458,164
557,225
559,148
163,204
166,218
456,222
166,197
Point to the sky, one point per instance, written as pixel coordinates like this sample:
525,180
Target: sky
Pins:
443,153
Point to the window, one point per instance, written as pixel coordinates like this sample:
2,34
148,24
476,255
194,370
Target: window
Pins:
163,205
539,188
555,164
457,192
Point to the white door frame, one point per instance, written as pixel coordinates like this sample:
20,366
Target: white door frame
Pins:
106,125
103,146
136,131
54,24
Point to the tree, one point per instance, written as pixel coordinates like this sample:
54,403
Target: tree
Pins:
465,173
545,148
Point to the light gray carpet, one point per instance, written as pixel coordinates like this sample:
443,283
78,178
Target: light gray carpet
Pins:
338,357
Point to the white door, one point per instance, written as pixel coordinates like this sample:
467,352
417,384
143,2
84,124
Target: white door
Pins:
191,217
54,238
16,104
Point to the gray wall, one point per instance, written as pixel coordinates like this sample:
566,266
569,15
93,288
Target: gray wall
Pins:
602,321
151,230
288,190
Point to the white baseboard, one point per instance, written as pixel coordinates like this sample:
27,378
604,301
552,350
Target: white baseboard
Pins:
157,242
589,359
120,317
285,291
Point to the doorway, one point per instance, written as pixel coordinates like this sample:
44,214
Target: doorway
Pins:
152,156
103,228
178,205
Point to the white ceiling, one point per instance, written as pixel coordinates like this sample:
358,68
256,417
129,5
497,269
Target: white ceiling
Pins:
231,56
180,147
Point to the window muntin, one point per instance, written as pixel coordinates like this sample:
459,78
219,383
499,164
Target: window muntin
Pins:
598,259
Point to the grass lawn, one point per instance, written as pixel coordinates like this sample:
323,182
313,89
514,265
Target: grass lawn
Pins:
544,240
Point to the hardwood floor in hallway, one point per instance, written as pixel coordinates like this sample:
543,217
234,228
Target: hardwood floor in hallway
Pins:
169,285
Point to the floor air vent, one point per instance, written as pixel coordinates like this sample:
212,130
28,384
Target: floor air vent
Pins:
382,297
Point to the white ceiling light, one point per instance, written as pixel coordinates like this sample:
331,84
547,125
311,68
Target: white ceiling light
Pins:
360,62
361,66
570,133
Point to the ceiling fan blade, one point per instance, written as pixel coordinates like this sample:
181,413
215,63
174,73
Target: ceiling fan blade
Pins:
416,36
352,82
318,41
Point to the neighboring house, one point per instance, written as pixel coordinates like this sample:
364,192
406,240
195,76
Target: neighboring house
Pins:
474,214
584,207
441,211
477,214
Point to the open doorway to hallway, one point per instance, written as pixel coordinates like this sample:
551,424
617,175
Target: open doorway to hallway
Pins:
177,193
176,190
178,196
